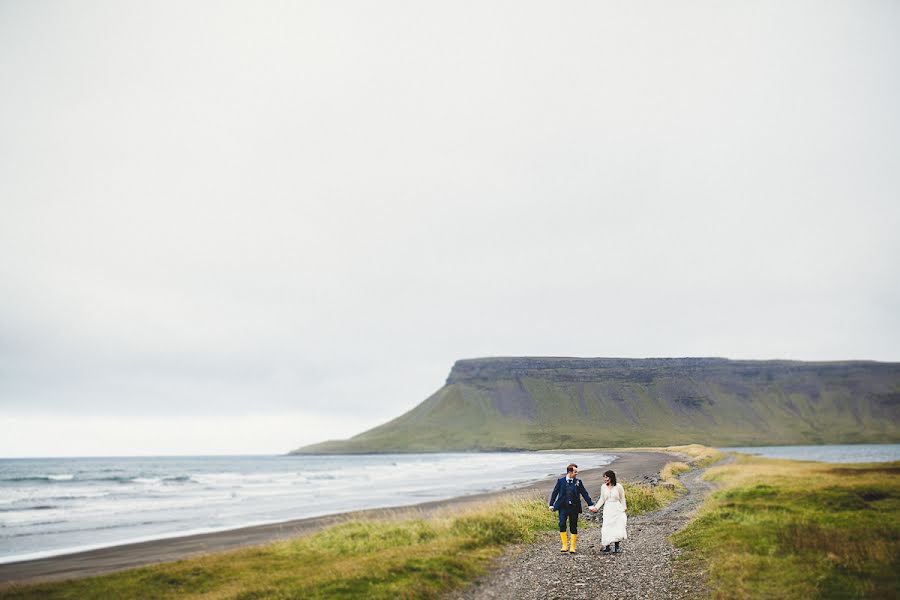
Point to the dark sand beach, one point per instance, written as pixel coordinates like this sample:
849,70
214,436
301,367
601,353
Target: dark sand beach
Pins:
629,466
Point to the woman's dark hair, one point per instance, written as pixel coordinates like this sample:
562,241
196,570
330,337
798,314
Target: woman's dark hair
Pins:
612,477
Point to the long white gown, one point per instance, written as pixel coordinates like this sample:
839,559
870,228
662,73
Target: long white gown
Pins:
614,518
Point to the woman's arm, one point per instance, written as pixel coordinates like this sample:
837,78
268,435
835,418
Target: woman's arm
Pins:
621,491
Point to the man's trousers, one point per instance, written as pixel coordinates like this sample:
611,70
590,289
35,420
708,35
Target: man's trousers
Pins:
571,516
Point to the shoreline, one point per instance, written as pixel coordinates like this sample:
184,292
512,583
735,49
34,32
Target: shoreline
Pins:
631,465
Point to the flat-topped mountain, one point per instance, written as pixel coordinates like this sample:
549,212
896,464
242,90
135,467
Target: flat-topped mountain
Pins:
545,403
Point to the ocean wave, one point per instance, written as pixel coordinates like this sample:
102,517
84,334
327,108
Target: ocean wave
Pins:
69,479
116,479
21,508
29,478
39,524
90,495
72,527
164,480
58,479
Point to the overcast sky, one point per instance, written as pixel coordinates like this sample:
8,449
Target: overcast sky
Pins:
241,227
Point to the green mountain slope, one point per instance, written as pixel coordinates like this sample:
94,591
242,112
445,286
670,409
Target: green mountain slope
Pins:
544,403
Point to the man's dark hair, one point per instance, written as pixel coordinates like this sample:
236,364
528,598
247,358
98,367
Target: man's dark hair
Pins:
571,468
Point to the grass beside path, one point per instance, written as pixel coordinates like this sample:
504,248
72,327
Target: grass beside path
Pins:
701,456
644,498
410,558
790,529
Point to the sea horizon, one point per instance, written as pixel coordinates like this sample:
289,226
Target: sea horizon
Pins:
463,452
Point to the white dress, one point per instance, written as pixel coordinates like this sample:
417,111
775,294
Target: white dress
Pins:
612,499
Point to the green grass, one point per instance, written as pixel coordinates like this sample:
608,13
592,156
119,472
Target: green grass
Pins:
702,456
788,529
645,498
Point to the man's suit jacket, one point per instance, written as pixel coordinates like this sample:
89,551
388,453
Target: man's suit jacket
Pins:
566,495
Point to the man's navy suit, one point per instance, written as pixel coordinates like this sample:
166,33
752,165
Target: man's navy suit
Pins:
565,500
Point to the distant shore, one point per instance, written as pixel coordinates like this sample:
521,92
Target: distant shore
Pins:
629,466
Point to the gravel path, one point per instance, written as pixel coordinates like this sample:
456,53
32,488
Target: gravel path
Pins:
644,568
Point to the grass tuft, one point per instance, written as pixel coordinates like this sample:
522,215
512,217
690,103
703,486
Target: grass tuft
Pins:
644,498
790,529
647,498
701,456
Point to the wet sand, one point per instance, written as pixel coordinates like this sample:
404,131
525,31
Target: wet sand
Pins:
629,466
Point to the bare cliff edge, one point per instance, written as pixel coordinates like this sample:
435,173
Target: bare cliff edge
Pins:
544,403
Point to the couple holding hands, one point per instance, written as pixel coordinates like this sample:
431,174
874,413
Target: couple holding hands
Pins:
566,501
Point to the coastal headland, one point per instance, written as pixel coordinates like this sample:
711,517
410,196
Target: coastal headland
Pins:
537,403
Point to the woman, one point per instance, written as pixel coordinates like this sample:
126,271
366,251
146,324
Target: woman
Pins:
612,499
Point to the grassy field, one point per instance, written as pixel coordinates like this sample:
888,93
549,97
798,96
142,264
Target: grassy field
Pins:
788,529
400,558
408,558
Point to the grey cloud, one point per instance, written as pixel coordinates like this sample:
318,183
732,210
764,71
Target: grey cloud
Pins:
321,206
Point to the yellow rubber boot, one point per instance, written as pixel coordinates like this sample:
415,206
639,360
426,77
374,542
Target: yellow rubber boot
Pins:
572,547
565,542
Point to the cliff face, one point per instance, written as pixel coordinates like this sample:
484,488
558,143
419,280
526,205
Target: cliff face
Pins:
542,403
571,369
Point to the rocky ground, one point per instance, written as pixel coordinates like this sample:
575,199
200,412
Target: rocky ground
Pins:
645,567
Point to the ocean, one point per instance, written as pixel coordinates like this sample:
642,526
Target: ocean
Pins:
848,453
52,506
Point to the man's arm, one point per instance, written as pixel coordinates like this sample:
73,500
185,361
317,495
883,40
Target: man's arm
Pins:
554,494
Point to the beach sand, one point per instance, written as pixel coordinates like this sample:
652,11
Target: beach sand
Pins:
629,466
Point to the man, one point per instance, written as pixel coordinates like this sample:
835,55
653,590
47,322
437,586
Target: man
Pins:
565,499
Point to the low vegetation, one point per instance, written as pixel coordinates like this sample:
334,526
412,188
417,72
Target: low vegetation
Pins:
407,558
789,529
647,498
701,456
